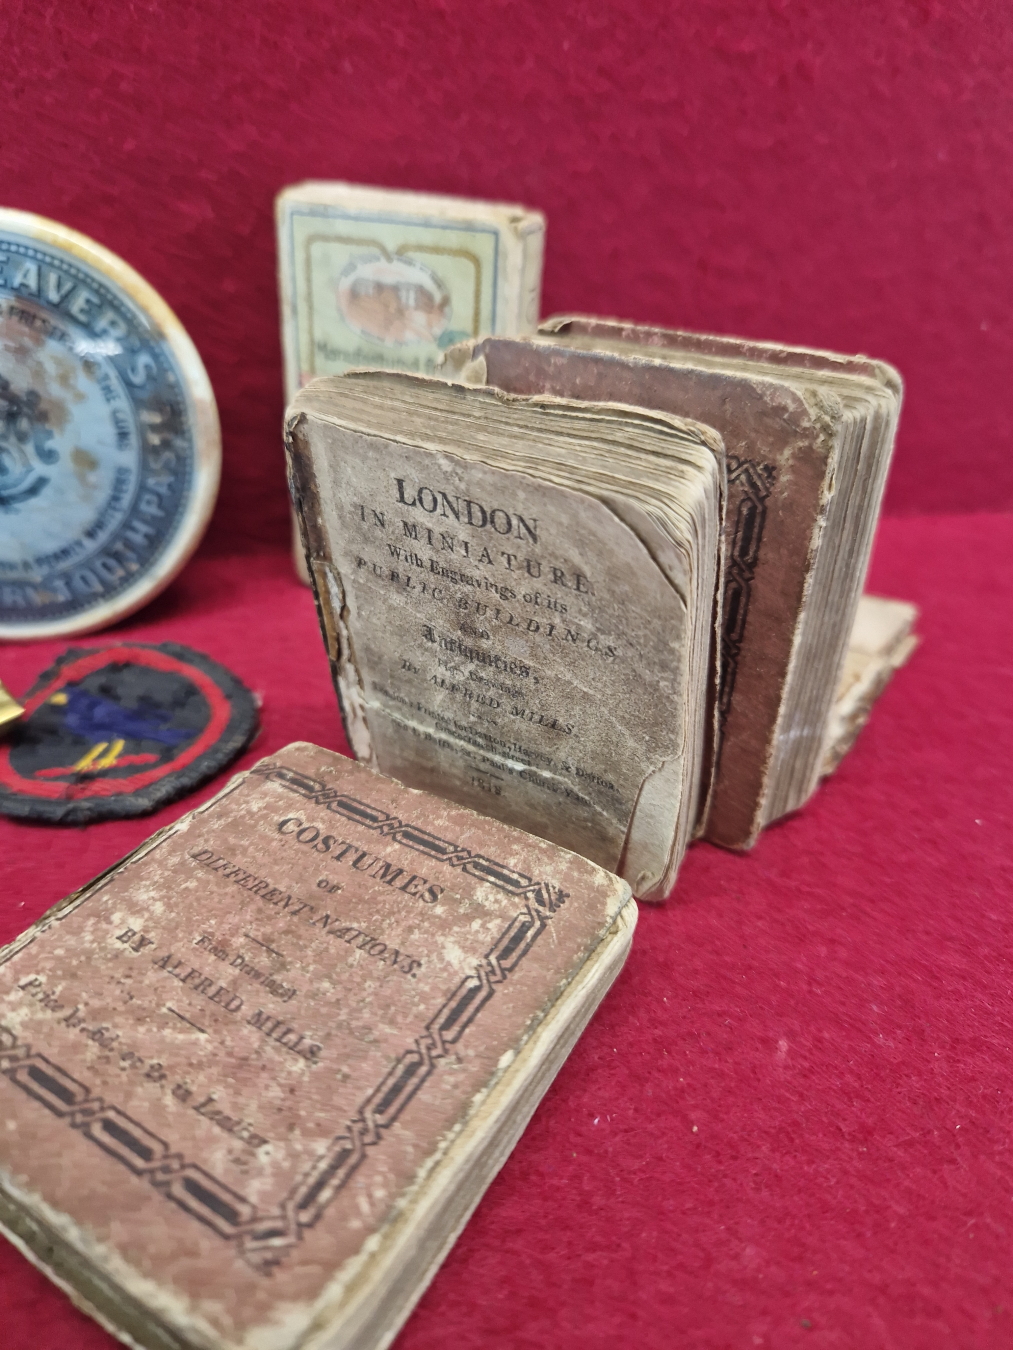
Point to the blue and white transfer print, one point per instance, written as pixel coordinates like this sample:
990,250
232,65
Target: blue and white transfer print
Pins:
98,452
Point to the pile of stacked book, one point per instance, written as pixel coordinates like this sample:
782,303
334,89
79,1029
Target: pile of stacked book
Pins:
589,590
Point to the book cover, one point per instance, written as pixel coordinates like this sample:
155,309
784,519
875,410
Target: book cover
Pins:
256,1077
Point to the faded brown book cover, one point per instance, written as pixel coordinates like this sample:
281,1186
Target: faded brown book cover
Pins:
256,1077
783,414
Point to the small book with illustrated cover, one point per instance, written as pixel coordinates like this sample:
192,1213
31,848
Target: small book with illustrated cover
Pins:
809,436
255,1078
519,599
390,279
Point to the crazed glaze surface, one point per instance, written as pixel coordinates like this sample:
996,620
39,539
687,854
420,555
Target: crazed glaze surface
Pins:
109,446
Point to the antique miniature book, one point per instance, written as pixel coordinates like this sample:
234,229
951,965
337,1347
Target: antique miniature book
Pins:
371,277
518,599
255,1078
809,437
881,641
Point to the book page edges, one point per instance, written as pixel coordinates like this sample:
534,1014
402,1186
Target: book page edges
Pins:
881,642
776,354
778,803
407,1251
827,413
304,404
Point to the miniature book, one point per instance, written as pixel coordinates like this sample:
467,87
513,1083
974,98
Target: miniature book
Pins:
881,641
518,598
256,1077
371,277
809,437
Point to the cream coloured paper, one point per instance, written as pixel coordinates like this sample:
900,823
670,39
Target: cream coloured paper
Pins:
509,638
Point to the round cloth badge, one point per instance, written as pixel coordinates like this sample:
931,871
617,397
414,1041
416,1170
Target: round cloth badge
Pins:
110,450
110,732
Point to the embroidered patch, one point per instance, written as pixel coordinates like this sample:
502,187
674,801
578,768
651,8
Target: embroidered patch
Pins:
110,732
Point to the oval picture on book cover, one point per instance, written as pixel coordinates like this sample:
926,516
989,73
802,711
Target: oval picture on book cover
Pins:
110,449
111,732
393,300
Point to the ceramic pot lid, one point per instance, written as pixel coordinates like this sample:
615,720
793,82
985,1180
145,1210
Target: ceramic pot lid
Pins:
110,450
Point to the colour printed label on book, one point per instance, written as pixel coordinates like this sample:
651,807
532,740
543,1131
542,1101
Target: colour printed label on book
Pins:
97,447
377,290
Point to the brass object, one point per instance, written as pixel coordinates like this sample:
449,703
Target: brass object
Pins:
10,710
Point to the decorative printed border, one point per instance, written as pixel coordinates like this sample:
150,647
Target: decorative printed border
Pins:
265,1239
756,482
476,865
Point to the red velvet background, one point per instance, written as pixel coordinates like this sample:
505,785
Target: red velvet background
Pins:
791,1123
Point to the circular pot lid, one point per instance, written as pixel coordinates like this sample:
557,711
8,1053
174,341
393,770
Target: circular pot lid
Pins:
110,449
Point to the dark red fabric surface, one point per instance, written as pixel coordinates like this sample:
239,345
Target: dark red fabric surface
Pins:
829,173
791,1122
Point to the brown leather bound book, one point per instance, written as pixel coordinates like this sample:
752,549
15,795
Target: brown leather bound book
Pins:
808,436
255,1078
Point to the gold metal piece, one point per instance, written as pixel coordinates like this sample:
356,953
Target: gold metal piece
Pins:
10,710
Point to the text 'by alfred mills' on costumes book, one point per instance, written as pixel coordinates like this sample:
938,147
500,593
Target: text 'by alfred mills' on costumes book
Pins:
255,1078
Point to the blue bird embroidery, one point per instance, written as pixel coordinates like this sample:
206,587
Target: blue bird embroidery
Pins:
108,726
92,716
